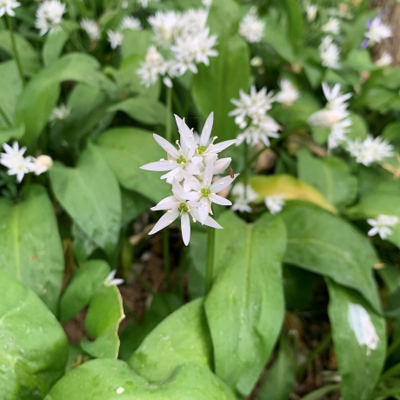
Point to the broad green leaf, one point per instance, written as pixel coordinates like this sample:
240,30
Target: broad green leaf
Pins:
11,87
196,264
29,56
375,204
106,379
359,336
43,90
90,194
376,180
290,187
245,305
11,133
216,85
143,109
83,245
326,244
281,377
102,321
181,338
126,150
33,346
30,245
330,175
133,205
135,43
295,22
84,283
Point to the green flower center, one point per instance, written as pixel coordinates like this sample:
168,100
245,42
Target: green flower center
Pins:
201,149
205,192
181,160
183,208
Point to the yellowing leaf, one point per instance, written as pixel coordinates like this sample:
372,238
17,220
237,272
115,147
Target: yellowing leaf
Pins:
291,189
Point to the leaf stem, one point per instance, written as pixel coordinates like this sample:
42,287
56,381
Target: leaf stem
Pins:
14,46
210,258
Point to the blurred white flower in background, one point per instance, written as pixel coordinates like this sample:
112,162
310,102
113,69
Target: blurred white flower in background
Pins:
274,203
243,198
49,16
145,3
288,93
130,23
332,26
252,27
115,38
206,3
311,12
7,7
370,150
41,164
153,66
382,225
329,53
377,31
112,281
91,28
60,113
384,60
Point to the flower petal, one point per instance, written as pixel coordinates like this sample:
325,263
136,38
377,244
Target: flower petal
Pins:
167,146
185,227
206,132
212,223
217,148
222,183
166,204
220,200
159,166
168,218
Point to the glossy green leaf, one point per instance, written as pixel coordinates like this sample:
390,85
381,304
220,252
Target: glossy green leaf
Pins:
325,244
330,175
83,245
29,56
215,86
143,109
112,379
43,90
102,321
290,187
359,336
245,305
119,147
375,204
30,245
83,285
11,87
181,338
296,26
33,346
90,194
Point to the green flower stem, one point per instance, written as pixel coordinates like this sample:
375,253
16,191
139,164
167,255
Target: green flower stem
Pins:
4,116
246,166
168,134
210,258
14,46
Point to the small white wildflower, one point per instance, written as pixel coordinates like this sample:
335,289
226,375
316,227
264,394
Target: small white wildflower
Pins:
370,150
153,66
41,164
7,7
166,26
145,3
329,53
49,16
311,11
377,31
243,198
206,3
256,61
60,113
362,326
115,38
252,27
14,160
382,225
384,60
274,203
92,29
112,281
120,390
288,93
130,23
338,133
332,26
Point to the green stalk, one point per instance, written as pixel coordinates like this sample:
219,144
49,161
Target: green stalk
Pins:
14,46
210,258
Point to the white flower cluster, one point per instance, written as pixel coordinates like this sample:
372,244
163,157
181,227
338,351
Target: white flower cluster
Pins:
18,165
243,197
332,26
59,113
183,41
334,116
252,27
370,150
329,52
251,116
92,29
145,3
49,16
288,93
191,169
382,225
7,7
311,12
274,203
384,60
377,31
